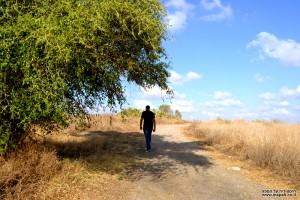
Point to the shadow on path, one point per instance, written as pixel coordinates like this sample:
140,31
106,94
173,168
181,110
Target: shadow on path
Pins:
168,157
112,151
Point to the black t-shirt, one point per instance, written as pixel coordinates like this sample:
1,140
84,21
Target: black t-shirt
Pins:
148,117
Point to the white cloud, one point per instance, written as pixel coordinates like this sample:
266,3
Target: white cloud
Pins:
177,20
246,113
207,113
224,102
141,104
285,92
261,78
179,95
184,106
210,114
281,111
210,5
271,112
227,106
180,5
193,76
284,103
179,14
272,104
267,96
221,95
177,79
277,106
153,93
223,12
287,51
222,99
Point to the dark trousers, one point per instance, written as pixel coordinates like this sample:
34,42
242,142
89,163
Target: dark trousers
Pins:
147,133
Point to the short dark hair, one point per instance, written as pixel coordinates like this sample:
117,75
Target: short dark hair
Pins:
147,107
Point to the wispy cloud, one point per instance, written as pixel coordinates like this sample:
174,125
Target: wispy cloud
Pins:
180,5
225,99
224,102
178,13
261,78
277,103
286,51
284,103
209,115
274,106
153,93
267,96
286,92
224,105
221,95
184,106
177,20
179,95
246,113
221,12
280,111
177,79
140,104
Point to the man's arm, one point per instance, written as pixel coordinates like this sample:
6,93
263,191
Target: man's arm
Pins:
141,123
154,125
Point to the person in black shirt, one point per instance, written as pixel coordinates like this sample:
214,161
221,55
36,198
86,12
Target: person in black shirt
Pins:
149,125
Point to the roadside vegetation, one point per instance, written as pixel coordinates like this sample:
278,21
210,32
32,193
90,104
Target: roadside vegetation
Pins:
162,115
68,163
273,145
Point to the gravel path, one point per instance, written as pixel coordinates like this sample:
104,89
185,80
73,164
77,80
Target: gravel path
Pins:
178,168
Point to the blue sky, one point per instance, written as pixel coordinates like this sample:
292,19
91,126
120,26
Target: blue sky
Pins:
234,59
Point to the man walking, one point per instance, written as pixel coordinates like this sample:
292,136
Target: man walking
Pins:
149,124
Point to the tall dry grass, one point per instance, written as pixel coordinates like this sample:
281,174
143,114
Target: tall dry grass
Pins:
61,164
36,172
24,171
273,145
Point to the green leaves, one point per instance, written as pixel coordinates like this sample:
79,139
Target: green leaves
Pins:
60,58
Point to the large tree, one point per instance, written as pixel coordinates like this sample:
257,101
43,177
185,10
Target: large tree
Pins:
60,57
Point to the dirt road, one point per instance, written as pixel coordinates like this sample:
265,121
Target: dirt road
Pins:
178,168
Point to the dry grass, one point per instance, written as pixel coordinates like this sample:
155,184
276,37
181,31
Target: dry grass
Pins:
27,171
271,145
69,163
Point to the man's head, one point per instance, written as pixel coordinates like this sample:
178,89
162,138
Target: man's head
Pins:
147,107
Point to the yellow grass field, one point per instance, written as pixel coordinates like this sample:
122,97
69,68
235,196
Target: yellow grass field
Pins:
272,145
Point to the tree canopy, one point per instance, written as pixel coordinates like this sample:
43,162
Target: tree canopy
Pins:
166,109
62,57
178,114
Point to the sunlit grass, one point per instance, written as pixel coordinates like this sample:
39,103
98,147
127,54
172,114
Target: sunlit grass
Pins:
272,145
